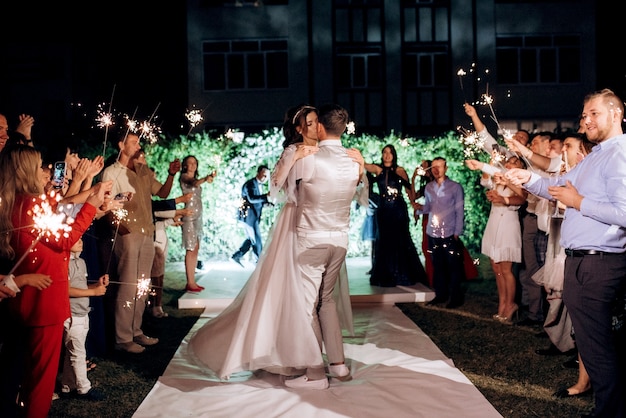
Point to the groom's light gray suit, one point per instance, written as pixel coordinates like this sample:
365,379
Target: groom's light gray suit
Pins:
327,187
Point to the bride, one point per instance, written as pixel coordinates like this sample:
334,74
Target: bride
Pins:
266,326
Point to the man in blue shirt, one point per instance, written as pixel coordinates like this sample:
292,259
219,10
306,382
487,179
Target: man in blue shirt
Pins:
593,234
444,204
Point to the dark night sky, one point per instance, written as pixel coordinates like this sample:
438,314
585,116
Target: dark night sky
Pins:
135,54
142,52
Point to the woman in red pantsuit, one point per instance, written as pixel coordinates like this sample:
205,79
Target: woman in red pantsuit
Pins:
36,315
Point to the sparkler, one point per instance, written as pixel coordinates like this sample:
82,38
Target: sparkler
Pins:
488,100
144,287
351,128
118,215
143,284
236,137
194,117
392,193
462,73
47,222
132,125
472,142
436,226
498,156
421,171
148,129
105,120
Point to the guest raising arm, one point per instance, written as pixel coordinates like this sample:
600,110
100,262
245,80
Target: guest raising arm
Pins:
593,234
396,261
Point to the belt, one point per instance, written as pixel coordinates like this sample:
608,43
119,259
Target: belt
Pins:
582,253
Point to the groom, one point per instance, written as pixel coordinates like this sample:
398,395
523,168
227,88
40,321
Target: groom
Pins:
327,187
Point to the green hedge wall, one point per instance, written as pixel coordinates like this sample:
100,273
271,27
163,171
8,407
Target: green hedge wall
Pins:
235,157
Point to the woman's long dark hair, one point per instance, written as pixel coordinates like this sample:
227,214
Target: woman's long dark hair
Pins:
394,162
294,117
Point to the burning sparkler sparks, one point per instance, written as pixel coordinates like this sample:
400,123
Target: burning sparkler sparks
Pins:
150,131
47,223
498,156
438,228
421,171
143,287
461,73
351,128
194,117
132,125
236,137
392,193
118,215
472,142
104,120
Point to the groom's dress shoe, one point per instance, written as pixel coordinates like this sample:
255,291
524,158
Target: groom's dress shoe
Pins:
303,382
340,372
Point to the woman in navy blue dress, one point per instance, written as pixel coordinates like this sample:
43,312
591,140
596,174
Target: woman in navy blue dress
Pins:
396,261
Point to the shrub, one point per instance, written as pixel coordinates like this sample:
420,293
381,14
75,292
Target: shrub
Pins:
236,156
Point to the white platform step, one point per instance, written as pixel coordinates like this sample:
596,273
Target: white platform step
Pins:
224,279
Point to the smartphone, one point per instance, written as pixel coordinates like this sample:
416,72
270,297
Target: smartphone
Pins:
58,174
123,196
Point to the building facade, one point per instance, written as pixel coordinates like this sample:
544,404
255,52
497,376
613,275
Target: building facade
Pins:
397,65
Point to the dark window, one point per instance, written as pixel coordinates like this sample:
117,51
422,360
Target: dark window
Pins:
214,74
256,71
426,67
548,59
236,71
569,65
358,28
507,63
362,70
547,66
276,70
245,64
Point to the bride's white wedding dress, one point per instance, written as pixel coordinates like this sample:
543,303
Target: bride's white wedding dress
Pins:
267,326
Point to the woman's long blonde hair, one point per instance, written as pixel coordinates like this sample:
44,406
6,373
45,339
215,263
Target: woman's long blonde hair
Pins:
19,174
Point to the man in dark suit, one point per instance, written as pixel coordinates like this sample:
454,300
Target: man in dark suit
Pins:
250,213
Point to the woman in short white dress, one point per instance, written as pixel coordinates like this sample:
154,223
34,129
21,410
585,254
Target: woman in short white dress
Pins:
502,238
